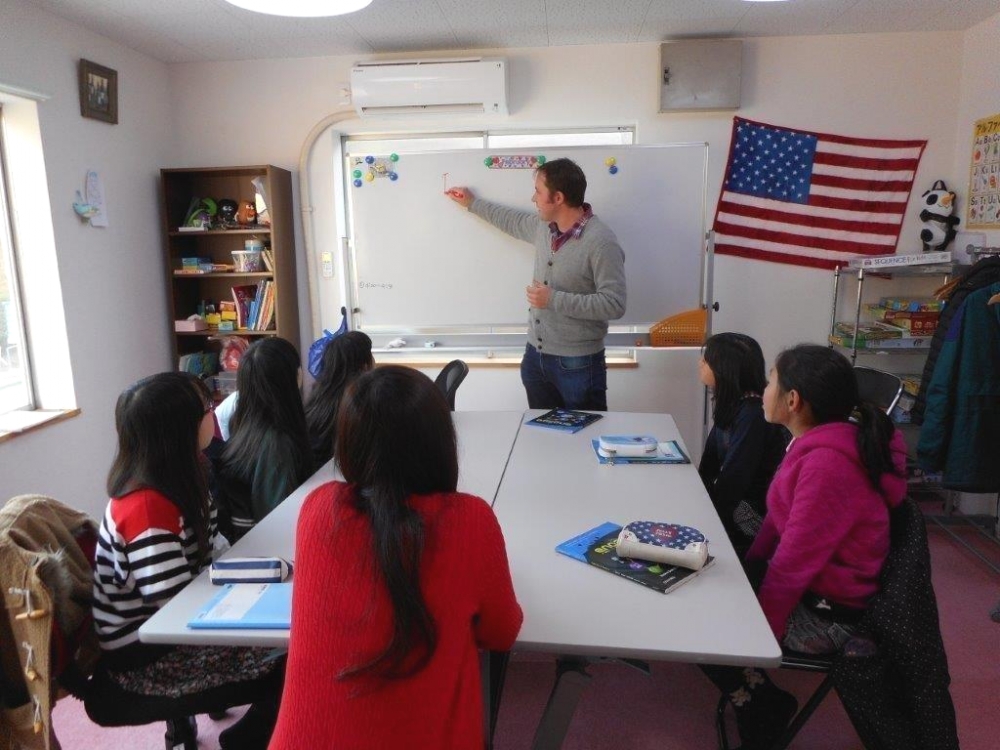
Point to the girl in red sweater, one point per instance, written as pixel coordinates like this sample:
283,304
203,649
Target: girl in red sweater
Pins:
399,580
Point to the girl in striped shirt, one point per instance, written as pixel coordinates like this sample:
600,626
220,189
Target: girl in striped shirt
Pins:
158,533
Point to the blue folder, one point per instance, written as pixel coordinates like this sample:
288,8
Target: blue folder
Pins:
263,606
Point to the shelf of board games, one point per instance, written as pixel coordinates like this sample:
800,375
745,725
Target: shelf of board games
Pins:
186,290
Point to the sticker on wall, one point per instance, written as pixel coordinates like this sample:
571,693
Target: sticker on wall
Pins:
514,161
370,168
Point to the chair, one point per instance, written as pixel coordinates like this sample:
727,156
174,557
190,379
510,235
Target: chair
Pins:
450,377
878,388
47,635
896,694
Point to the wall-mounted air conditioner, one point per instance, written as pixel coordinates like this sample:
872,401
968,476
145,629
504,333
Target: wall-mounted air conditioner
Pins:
473,85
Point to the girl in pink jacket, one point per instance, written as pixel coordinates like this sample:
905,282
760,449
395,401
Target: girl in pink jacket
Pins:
826,533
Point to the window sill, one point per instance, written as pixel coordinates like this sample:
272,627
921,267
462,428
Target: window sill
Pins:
17,423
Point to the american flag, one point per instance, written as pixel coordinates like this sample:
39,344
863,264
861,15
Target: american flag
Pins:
812,199
665,534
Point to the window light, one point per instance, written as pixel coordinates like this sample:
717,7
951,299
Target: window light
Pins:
302,8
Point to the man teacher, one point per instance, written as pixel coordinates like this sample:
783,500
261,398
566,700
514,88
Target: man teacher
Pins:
578,286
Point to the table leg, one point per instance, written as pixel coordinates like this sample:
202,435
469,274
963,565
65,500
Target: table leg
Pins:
571,680
493,669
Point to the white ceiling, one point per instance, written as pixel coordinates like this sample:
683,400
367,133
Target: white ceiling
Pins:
202,30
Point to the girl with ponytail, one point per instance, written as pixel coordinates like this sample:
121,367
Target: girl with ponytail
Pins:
399,579
826,534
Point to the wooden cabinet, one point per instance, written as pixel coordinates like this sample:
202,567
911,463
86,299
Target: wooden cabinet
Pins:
187,291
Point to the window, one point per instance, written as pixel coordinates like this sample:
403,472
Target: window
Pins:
15,380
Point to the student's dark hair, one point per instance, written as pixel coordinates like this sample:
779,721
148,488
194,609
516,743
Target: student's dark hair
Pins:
566,177
825,380
737,362
158,420
344,358
269,404
395,438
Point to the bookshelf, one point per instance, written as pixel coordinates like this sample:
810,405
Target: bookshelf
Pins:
186,290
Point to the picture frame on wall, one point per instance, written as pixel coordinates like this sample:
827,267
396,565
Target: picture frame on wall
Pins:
98,92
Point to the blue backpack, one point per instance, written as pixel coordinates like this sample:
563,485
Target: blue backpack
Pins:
318,346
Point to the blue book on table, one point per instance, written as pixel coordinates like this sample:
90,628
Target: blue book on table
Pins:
261,606
577,546
564,420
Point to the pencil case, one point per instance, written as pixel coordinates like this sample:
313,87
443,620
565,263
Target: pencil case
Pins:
627,445
250,570
667,543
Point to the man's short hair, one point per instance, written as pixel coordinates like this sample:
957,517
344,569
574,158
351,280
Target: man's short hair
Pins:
566,177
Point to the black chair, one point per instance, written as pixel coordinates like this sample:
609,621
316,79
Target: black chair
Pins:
894,687
450,377
878,388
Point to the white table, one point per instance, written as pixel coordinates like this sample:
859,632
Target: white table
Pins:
554,489
484,445
547,486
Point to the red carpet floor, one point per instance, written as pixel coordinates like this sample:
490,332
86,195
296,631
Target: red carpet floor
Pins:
674,708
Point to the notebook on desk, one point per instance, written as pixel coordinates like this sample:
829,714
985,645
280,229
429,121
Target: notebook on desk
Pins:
247,606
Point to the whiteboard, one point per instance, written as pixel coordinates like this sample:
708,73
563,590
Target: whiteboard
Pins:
421,261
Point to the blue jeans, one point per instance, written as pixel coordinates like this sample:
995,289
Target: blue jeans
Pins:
552,381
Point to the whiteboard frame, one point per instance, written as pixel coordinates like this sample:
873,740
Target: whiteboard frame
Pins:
497,339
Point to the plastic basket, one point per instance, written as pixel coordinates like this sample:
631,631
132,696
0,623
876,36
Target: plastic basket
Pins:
683,329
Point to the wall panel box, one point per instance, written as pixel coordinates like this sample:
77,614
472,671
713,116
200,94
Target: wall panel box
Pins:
700,74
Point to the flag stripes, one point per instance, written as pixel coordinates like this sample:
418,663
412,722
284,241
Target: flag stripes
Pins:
812,199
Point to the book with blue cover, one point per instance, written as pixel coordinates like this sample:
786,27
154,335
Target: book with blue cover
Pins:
667,452
600,551
247,606
564,420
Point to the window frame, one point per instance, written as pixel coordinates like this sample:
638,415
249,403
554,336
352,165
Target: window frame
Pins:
9,248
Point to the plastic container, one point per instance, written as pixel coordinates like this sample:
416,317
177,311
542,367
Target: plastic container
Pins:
247,261
226,382
683,329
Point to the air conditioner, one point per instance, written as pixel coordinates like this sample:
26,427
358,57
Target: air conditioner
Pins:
474,85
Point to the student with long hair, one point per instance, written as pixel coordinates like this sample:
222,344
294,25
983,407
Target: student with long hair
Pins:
743,449
826,533
399,579
267,455
158,533
344,359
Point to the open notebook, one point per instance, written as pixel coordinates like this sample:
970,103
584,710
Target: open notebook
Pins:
247,606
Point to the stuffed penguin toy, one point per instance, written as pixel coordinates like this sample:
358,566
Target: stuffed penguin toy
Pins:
939,224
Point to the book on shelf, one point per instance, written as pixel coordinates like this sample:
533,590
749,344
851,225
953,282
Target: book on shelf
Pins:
247,606
901,261
243,296
564,420
267,255
665,452
597,547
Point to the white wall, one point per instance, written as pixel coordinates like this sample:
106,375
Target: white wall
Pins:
112,279
864,85
901,85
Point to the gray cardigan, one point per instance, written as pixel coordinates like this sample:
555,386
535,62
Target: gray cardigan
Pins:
587,277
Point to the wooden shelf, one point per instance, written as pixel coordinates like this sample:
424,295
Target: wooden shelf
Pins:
217,232
187,291
209,333
224,275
